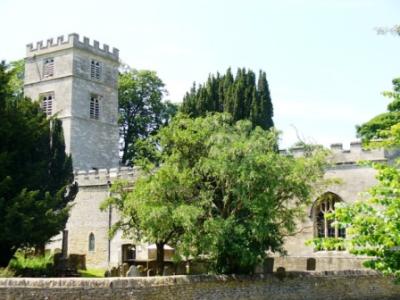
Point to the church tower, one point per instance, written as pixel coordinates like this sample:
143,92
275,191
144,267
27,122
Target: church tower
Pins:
76,81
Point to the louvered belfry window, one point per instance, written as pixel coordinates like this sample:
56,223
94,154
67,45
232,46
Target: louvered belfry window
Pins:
47,103
94,106
48,67
95,69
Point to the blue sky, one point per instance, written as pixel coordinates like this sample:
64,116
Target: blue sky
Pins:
326,65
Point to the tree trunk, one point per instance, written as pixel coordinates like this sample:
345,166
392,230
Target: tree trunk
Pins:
39,250
6,253
160,259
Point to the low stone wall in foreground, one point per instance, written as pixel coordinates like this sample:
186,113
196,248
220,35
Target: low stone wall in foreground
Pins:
325,285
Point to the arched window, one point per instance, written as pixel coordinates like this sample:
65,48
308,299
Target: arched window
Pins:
324,227
91,242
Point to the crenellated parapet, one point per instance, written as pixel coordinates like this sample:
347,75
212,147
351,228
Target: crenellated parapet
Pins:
356,153
72,40
105,176
352,156
338,156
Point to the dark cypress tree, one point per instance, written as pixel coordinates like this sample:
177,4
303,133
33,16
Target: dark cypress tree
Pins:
188,104
240,96
34,193
60,164
266,112
228,81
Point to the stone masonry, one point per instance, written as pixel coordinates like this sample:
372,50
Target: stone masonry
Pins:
354,181
93,142
324,286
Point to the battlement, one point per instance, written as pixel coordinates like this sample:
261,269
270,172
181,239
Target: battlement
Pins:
72,40
105,176
352,156
338,157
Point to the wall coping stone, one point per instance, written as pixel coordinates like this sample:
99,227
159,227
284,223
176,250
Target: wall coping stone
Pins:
156,281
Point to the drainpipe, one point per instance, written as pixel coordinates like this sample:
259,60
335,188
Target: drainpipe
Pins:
109,224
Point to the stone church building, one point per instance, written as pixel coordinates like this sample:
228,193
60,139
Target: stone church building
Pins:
76,81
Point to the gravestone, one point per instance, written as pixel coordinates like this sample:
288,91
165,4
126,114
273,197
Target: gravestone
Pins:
133,272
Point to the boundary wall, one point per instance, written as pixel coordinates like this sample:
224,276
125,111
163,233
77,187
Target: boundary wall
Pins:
365,285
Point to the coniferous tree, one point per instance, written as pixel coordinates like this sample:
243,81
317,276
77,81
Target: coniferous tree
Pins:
243,96
265,103
60,164
35,173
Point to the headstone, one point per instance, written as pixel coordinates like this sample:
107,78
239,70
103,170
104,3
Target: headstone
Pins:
133,272
167,271
123,269
114,272
281,273
311,264
268,265
64,244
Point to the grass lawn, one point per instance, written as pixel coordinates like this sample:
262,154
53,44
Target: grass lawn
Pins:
92,273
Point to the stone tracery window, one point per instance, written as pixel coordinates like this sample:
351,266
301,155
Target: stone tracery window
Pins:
324,227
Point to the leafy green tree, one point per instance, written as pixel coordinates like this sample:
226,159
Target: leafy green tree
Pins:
220,190
379,127
142,111
161,208
17,78
243,97
373,225
35,173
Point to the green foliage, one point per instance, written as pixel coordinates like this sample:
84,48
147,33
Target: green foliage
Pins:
35,173
142,111
28,265
380,126
373,225
17,69
327,244
220,191
242,97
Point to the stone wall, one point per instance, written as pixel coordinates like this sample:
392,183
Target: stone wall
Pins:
333,285
320,261
354,180
86,218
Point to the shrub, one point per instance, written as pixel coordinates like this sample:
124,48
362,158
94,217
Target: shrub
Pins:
28,265
6,272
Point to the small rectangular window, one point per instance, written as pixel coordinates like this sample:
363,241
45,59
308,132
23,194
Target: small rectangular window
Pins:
94,109
95,69
48,67
46,101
